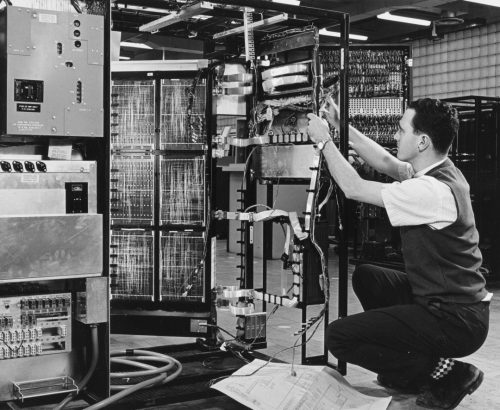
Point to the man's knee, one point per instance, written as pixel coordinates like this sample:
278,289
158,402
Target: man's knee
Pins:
361,276
337,338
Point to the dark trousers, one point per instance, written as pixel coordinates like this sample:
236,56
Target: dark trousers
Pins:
399,338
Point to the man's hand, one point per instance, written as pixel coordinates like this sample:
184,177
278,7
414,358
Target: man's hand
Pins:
318,129
331,112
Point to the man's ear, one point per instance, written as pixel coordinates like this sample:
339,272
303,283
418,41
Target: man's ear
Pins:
424,142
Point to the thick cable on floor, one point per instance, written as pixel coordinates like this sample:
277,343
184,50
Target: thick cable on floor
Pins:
160,373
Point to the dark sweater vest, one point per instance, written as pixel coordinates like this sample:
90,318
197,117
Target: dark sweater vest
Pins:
443,264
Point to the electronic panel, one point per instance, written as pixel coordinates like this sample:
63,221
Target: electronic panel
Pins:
283,161
183,190
182,266
48,220
35,344
182,121
54,292
379,93
160,176
378,87
35,325
131,265
47,187
132,116
132,189
52,67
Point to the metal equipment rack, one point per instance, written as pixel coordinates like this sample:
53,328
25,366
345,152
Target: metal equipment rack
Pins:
161,178
475,152
298,45
54,98
379,92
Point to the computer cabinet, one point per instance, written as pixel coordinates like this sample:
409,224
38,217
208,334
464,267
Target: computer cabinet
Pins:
160,186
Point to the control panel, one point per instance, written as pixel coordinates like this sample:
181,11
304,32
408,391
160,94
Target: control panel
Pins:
35,325
47,187
52,73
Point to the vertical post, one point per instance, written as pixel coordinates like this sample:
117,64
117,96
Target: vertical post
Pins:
210,194
344,148
496,245
157,194
478,116
267,248
101,380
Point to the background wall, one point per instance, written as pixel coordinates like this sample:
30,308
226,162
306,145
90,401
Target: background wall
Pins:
460,64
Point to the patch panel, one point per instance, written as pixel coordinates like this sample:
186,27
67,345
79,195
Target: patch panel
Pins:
35,325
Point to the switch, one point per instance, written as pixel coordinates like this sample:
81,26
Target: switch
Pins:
30,167
5,166
76,197
41,166
18,166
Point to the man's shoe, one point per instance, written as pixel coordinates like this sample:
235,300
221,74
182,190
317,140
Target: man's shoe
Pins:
448,392
402,386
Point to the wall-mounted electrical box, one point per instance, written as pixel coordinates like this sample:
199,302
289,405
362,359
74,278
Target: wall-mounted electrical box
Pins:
51,73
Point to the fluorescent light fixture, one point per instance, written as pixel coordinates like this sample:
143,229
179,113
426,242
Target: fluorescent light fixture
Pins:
401,19
290,2
135,45
325,32
201,17
124,58
494,3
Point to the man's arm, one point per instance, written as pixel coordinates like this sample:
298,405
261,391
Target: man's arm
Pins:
346,177
370,151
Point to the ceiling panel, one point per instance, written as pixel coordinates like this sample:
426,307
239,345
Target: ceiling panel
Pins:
445,16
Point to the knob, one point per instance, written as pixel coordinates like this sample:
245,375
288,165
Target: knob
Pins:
5,166
18,166
41,166
30,167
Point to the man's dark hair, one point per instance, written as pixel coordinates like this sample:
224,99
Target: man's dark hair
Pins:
436,119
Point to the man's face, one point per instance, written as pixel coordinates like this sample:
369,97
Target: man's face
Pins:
406,138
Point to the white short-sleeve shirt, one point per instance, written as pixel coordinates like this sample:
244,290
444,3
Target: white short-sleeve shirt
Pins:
419,199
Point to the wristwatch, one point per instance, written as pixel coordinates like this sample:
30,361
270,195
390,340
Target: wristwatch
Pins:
321,145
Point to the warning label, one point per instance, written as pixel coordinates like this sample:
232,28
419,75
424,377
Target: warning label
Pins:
23,107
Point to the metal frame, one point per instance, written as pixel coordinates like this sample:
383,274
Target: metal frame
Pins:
97,148
407,97
249,194
166,317
476,106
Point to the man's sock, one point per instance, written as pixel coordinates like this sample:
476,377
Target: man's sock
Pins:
443,367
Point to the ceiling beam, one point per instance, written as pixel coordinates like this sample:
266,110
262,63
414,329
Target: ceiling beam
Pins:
176,17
